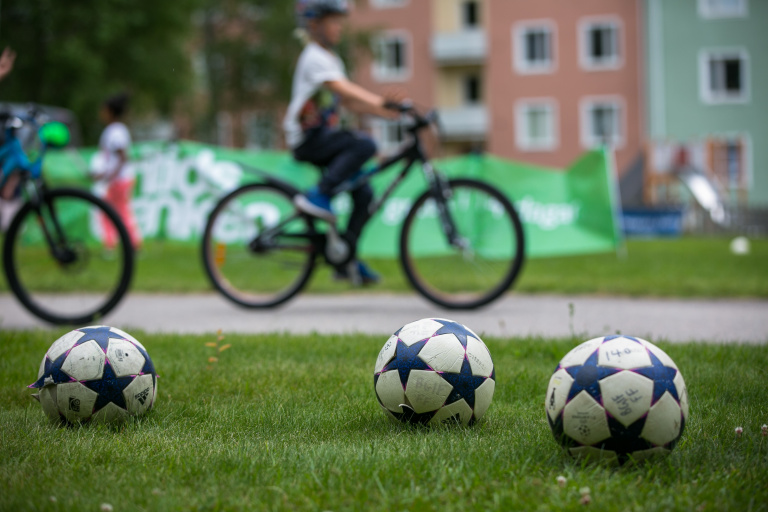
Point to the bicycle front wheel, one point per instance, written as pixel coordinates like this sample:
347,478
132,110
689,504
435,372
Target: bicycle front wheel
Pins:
70,260
465,250
257,250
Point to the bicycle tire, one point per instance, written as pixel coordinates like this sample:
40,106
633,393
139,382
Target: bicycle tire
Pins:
509,267
13,242
215,253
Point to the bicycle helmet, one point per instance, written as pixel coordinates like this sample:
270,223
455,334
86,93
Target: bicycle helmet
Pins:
315,9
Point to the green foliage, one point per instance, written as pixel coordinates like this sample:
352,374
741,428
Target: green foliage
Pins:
73,54
291,423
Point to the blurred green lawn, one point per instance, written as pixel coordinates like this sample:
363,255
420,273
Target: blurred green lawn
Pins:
687,267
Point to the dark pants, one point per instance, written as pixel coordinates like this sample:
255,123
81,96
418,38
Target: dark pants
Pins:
340,154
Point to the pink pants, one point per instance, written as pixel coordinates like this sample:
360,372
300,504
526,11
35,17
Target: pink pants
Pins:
119,196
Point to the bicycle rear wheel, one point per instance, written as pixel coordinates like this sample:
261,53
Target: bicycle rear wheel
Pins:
257,250
56,262
484,257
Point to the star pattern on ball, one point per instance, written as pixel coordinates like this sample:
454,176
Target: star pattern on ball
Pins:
406,359
464,385
663,378
412,416
456,329
109,388
52,373
100,335
587,377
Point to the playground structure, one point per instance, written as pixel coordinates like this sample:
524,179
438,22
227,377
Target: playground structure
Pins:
710,176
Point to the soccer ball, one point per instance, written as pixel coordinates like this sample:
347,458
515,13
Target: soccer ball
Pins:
432,371
96,373
617,397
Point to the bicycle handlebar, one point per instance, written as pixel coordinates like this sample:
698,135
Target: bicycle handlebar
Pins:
429,117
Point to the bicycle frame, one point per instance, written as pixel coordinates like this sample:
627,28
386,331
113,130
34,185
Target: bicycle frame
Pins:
13,159
410,154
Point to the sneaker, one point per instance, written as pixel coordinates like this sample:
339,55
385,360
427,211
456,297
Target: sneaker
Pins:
367,275
358,272
316,204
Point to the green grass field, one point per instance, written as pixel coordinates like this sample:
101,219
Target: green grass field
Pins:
688,267
291,423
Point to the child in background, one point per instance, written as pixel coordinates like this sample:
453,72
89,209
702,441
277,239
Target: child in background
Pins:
114,170
311,125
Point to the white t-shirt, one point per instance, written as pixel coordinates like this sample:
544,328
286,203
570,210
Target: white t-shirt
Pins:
114,138
311,104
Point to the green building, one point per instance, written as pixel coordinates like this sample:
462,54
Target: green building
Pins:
707,84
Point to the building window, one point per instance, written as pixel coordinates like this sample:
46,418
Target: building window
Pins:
602,122
711,9
724,76
472,90
534,47
387,4
389,135
600,44
536,125
391,57
470,15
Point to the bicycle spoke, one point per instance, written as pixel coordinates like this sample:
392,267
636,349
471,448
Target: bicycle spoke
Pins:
61,270
484,257
257,250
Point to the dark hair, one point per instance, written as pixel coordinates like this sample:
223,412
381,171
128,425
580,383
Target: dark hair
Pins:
117,104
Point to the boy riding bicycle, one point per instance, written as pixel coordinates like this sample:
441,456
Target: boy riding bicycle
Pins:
311,127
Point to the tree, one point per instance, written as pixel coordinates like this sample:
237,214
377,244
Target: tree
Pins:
74,54
250,52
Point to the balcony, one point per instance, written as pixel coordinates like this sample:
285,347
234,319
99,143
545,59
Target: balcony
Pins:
468,123
466,47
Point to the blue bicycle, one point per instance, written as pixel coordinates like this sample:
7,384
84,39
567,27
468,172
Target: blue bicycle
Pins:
54,258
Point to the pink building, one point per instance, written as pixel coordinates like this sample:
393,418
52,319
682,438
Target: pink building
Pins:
539,82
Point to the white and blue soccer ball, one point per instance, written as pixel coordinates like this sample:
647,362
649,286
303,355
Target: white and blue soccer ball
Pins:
433,371
616,398
96,373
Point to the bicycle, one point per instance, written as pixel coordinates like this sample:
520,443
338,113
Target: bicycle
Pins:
461,244
53,258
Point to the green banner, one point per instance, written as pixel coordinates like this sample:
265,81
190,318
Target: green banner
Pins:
564,212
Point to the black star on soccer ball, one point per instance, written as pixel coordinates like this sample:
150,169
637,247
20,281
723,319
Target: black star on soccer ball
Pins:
587,377
52,372
100,335
663,378
109,387
406,359
464,385
456,329
410,416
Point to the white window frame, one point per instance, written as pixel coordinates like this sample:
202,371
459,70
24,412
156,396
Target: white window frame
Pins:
710,97
385,144
708,13
387,4
522,137
382,74
586,104
519,62
586,61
